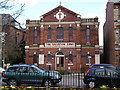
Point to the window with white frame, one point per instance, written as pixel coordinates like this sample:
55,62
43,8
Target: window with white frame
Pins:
88,58
41,58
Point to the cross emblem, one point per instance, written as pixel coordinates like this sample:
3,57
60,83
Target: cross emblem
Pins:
60,15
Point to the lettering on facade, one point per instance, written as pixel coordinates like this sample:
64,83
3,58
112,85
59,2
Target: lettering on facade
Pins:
59,44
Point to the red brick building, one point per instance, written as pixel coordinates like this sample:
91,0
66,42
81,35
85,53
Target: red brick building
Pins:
11,39
62,40
111,30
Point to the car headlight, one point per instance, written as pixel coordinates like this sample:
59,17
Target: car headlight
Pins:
56,76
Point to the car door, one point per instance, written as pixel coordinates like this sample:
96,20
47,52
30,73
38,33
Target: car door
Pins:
100,76
113,77
34,76
23,77
13,72
27,75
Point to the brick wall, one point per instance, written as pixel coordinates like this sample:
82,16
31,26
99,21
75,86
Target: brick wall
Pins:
79,50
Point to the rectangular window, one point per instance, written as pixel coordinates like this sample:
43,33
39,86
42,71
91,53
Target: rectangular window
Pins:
88,36
70,58
49,34
59,34
99,72
34,58
49,58
119,32
88,59
118,13
111,73
70,34
41,58
35,36
97,59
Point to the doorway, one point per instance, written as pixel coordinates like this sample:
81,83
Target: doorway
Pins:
60,62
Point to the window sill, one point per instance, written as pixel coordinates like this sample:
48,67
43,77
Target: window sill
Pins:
88,43
35,44
70,63
88,64
48,64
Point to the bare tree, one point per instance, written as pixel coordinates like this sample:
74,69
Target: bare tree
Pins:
14,9
10,51
4,4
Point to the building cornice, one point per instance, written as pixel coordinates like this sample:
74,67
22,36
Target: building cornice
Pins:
44,46
56,23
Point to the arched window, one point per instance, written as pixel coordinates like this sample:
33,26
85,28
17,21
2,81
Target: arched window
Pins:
60,53
35,36
70,34
88,36
60,34
49,34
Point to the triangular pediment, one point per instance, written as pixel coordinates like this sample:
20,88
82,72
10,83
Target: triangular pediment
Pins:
60,13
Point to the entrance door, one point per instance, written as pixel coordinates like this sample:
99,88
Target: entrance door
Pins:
59,63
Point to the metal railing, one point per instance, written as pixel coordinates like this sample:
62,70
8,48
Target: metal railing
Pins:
72,80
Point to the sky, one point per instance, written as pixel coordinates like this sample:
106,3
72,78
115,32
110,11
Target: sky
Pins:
86,8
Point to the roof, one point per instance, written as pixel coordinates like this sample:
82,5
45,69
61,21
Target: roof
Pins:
57,8
60,14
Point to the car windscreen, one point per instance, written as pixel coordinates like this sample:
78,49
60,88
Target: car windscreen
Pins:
40,69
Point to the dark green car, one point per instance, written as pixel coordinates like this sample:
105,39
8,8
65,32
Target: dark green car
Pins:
30,74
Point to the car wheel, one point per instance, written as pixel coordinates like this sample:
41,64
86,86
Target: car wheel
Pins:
13,82
47,83
91,84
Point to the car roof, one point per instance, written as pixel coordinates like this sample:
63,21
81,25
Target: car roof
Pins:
20,65
103,68
101,64
104,65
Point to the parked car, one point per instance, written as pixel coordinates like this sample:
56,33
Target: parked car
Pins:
1,70
96,77
105,66
16,75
